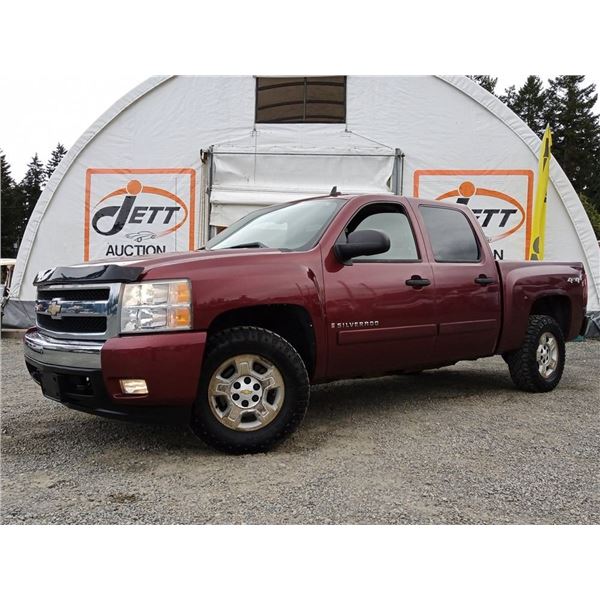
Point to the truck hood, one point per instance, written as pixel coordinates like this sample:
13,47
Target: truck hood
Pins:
137,267
173,259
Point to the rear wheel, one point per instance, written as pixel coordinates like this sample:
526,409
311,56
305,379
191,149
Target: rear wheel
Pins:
254,391
537,366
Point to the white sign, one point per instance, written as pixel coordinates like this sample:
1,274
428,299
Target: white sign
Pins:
133,212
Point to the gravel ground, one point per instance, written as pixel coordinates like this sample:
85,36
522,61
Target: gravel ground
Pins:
458,445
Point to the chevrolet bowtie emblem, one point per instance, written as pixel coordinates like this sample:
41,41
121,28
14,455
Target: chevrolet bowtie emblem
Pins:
54,309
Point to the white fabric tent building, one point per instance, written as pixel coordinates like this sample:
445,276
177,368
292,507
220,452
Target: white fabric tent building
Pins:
193,154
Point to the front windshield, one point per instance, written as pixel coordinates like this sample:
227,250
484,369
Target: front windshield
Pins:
295,226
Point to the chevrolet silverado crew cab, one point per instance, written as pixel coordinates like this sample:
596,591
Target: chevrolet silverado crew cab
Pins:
230,337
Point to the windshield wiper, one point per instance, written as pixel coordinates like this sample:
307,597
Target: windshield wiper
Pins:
247,245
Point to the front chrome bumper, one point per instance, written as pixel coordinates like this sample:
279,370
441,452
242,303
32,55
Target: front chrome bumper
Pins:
64,353
69,372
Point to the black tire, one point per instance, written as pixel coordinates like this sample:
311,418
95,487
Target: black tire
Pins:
266,344
522,363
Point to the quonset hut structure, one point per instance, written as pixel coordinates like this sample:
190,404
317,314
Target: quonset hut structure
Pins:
179,158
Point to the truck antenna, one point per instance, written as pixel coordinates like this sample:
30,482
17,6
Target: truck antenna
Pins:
334,191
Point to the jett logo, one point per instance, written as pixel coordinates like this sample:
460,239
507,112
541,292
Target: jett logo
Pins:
131,212
502,201
117,216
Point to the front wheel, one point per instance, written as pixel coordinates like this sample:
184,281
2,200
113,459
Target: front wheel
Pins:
254,391
537,366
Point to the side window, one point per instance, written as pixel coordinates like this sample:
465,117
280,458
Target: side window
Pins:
391,219
451,235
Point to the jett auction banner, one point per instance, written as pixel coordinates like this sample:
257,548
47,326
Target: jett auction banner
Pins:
133,212
502,201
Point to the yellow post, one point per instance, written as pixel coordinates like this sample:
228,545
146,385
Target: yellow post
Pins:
538,231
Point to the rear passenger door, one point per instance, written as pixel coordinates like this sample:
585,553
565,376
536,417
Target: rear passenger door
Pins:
467,290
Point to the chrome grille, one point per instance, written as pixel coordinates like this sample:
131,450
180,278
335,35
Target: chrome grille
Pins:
79,311
80,295
66,325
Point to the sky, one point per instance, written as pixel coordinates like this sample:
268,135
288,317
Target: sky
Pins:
39,112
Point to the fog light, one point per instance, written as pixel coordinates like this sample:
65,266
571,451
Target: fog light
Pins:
134,386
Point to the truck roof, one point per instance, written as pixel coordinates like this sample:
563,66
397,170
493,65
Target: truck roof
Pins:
384,196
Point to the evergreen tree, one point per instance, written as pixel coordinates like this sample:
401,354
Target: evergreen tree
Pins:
485,81
31,186
594,187
509,97
11,216
576,130
528,103
55,159
6,180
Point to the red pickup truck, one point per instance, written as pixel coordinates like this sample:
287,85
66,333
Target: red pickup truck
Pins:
231,336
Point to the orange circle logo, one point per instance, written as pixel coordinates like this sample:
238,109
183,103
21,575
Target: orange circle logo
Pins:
134,187
466,188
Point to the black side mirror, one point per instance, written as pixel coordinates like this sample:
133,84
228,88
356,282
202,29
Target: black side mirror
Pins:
365,242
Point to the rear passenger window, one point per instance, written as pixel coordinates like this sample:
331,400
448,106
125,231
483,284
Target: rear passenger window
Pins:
451,235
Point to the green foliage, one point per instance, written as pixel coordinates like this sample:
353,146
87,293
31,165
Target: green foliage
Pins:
509,97
576,130
31,187
529,102
567,105
18,202
55,158
6,179
593,214
12,215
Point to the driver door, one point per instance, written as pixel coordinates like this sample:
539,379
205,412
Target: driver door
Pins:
377,322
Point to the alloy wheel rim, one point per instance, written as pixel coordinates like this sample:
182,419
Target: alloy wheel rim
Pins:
246,392
547,355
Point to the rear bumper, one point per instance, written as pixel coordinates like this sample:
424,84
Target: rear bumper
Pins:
86,375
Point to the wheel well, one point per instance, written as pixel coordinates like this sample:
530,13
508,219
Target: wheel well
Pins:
291,322
557,307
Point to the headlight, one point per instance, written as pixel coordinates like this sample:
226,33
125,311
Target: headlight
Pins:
156,306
